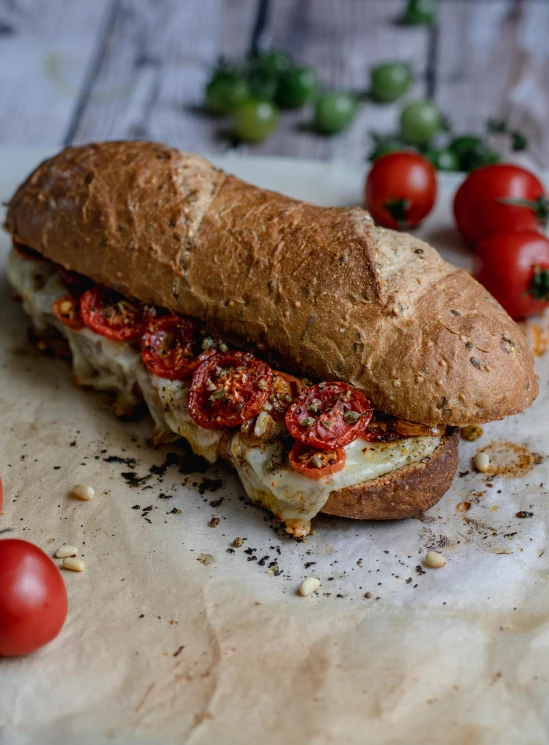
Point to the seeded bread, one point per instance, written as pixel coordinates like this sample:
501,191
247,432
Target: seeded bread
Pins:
322,290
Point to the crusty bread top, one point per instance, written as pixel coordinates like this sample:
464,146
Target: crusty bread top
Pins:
323,289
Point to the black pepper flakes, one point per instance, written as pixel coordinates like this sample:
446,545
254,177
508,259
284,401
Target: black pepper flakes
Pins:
523,514
475,362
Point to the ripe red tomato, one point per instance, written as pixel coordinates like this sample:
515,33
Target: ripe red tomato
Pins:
112,315
314,464
228,388
400,190
170,347
67,310
514,267
33,598
328,416
481,208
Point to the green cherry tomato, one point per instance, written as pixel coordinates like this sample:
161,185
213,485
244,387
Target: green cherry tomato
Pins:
443,160
225,92
255,120
421,12
390,81
279,61
334,112
295,87
420,122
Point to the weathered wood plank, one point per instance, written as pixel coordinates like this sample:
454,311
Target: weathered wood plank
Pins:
342,40
151,80
493,61
45,51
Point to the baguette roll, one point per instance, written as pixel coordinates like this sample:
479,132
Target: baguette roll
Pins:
321,291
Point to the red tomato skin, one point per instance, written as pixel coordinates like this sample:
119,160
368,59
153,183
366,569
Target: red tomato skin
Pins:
340,458
504,264
33,598
478,212
92,303
173,367
401,175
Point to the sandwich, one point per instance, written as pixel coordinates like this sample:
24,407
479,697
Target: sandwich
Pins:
328,361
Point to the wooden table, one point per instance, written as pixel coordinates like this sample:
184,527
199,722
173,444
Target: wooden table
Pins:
72,71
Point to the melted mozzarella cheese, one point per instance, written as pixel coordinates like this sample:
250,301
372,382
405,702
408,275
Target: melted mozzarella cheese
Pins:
270,481
105,365
167,401
39,286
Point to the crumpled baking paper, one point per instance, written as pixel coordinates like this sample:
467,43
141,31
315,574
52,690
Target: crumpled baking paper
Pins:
174,636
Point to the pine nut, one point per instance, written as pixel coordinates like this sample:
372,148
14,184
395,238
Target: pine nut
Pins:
264,425
74,564
481,461
308,586
434,560
65,551
83,492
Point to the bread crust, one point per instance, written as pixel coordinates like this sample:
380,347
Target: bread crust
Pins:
408,492
321,290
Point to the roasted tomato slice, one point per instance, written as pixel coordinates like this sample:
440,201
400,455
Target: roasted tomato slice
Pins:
386,428
73,281
328,415
25,252
170,347
315,463
286,389
67,310
228,388
112,315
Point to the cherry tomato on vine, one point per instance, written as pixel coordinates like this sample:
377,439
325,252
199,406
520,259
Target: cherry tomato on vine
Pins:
33,598
400,190
334,112
314,463
226,90
296,86
328,416
420,121
500,198
514,267
254,120
420,12
390,81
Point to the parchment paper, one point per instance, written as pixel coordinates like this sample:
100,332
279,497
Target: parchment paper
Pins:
172,639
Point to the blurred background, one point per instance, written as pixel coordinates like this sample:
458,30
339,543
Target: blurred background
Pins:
73,71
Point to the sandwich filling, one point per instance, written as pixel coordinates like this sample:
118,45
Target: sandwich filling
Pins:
291,442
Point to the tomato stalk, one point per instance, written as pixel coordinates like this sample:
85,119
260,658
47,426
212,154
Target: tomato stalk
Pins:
398,209
539,206
539,285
